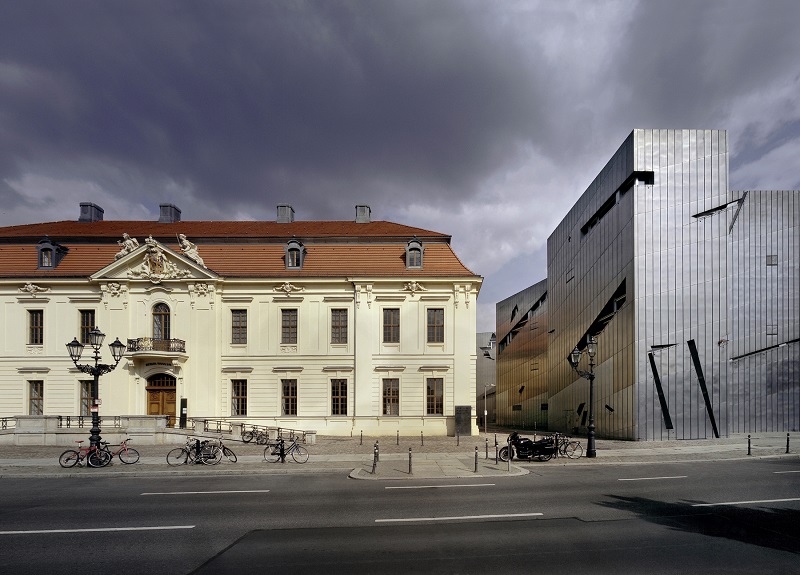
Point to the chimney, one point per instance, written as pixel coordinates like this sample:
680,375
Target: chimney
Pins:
363,214
90,212
169,214
285,214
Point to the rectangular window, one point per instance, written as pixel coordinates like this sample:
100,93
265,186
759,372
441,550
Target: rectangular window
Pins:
436,325
289,326
238,397
435,396
391,325
289,397
36,394
36,327
772,260
86,396
391,396
338,397
238,326
87,324
338,326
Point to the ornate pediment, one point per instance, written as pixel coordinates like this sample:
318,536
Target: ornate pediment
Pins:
154,262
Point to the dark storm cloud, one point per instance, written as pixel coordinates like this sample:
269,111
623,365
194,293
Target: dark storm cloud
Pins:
264,99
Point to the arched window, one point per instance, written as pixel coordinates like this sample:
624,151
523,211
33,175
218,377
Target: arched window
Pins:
295,254
161,321
414,252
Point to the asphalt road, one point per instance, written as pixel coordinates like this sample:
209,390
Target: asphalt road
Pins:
717,517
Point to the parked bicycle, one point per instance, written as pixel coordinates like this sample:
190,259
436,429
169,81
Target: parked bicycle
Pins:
195,451
568,447
93,456
272,453
126,454
227,451
260,436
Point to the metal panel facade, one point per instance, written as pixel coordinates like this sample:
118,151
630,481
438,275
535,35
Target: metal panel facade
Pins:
692,290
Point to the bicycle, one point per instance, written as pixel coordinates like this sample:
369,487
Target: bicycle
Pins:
570,448
272,453
126,454
93,456
195,451
227,451
261,437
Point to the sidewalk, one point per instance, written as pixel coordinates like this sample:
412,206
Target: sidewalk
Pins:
431,458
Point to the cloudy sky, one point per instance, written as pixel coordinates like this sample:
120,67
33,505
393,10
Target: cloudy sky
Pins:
484,120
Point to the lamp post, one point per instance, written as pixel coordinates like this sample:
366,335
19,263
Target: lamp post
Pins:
574,359
485,407
75,349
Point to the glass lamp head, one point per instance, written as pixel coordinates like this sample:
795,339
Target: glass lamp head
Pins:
575,357
117,349
75,349
96,338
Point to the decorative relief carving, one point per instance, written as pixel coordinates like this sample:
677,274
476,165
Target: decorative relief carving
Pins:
113,289
461,290
190,250
33,289
414,287
200,290
366,290
128,244
34,350
288,288
156,267
288,349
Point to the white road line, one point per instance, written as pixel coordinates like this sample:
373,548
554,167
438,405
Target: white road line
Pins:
796,471
441,486
97,530
746,502
412,519
651,478
205,492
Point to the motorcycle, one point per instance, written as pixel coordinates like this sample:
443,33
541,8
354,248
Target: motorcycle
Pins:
525,448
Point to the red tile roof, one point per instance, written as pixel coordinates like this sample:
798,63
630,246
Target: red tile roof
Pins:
237,249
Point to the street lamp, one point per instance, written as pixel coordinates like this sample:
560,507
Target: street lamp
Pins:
485,410
75,349
574,359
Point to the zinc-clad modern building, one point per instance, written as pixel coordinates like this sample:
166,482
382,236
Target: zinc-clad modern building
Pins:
690,288
332,326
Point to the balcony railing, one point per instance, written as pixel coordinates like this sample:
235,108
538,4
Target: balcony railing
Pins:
151,344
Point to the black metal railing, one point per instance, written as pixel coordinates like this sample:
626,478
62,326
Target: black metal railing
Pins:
8,422
81,421
152,344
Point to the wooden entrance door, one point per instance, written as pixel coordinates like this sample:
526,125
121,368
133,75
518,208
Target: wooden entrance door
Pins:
162,397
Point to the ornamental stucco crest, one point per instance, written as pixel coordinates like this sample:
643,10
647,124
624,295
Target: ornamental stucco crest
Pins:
33,289
155,265
288,288
113,289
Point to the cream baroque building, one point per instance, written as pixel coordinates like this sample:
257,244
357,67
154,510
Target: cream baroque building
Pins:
333,326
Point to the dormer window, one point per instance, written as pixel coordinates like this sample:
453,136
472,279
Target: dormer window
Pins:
414,251
295,254
49,254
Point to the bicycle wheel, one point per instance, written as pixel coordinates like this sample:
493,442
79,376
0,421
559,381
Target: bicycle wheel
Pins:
129,455
229,454
247,436
69,458
177,456
211,455
262,439
300,454
272,454
545,456
574,450
98,458
503,455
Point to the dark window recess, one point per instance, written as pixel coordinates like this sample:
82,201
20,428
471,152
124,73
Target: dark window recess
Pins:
544,407
646,178
772,260
580,408
609,408
583,418
517,407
